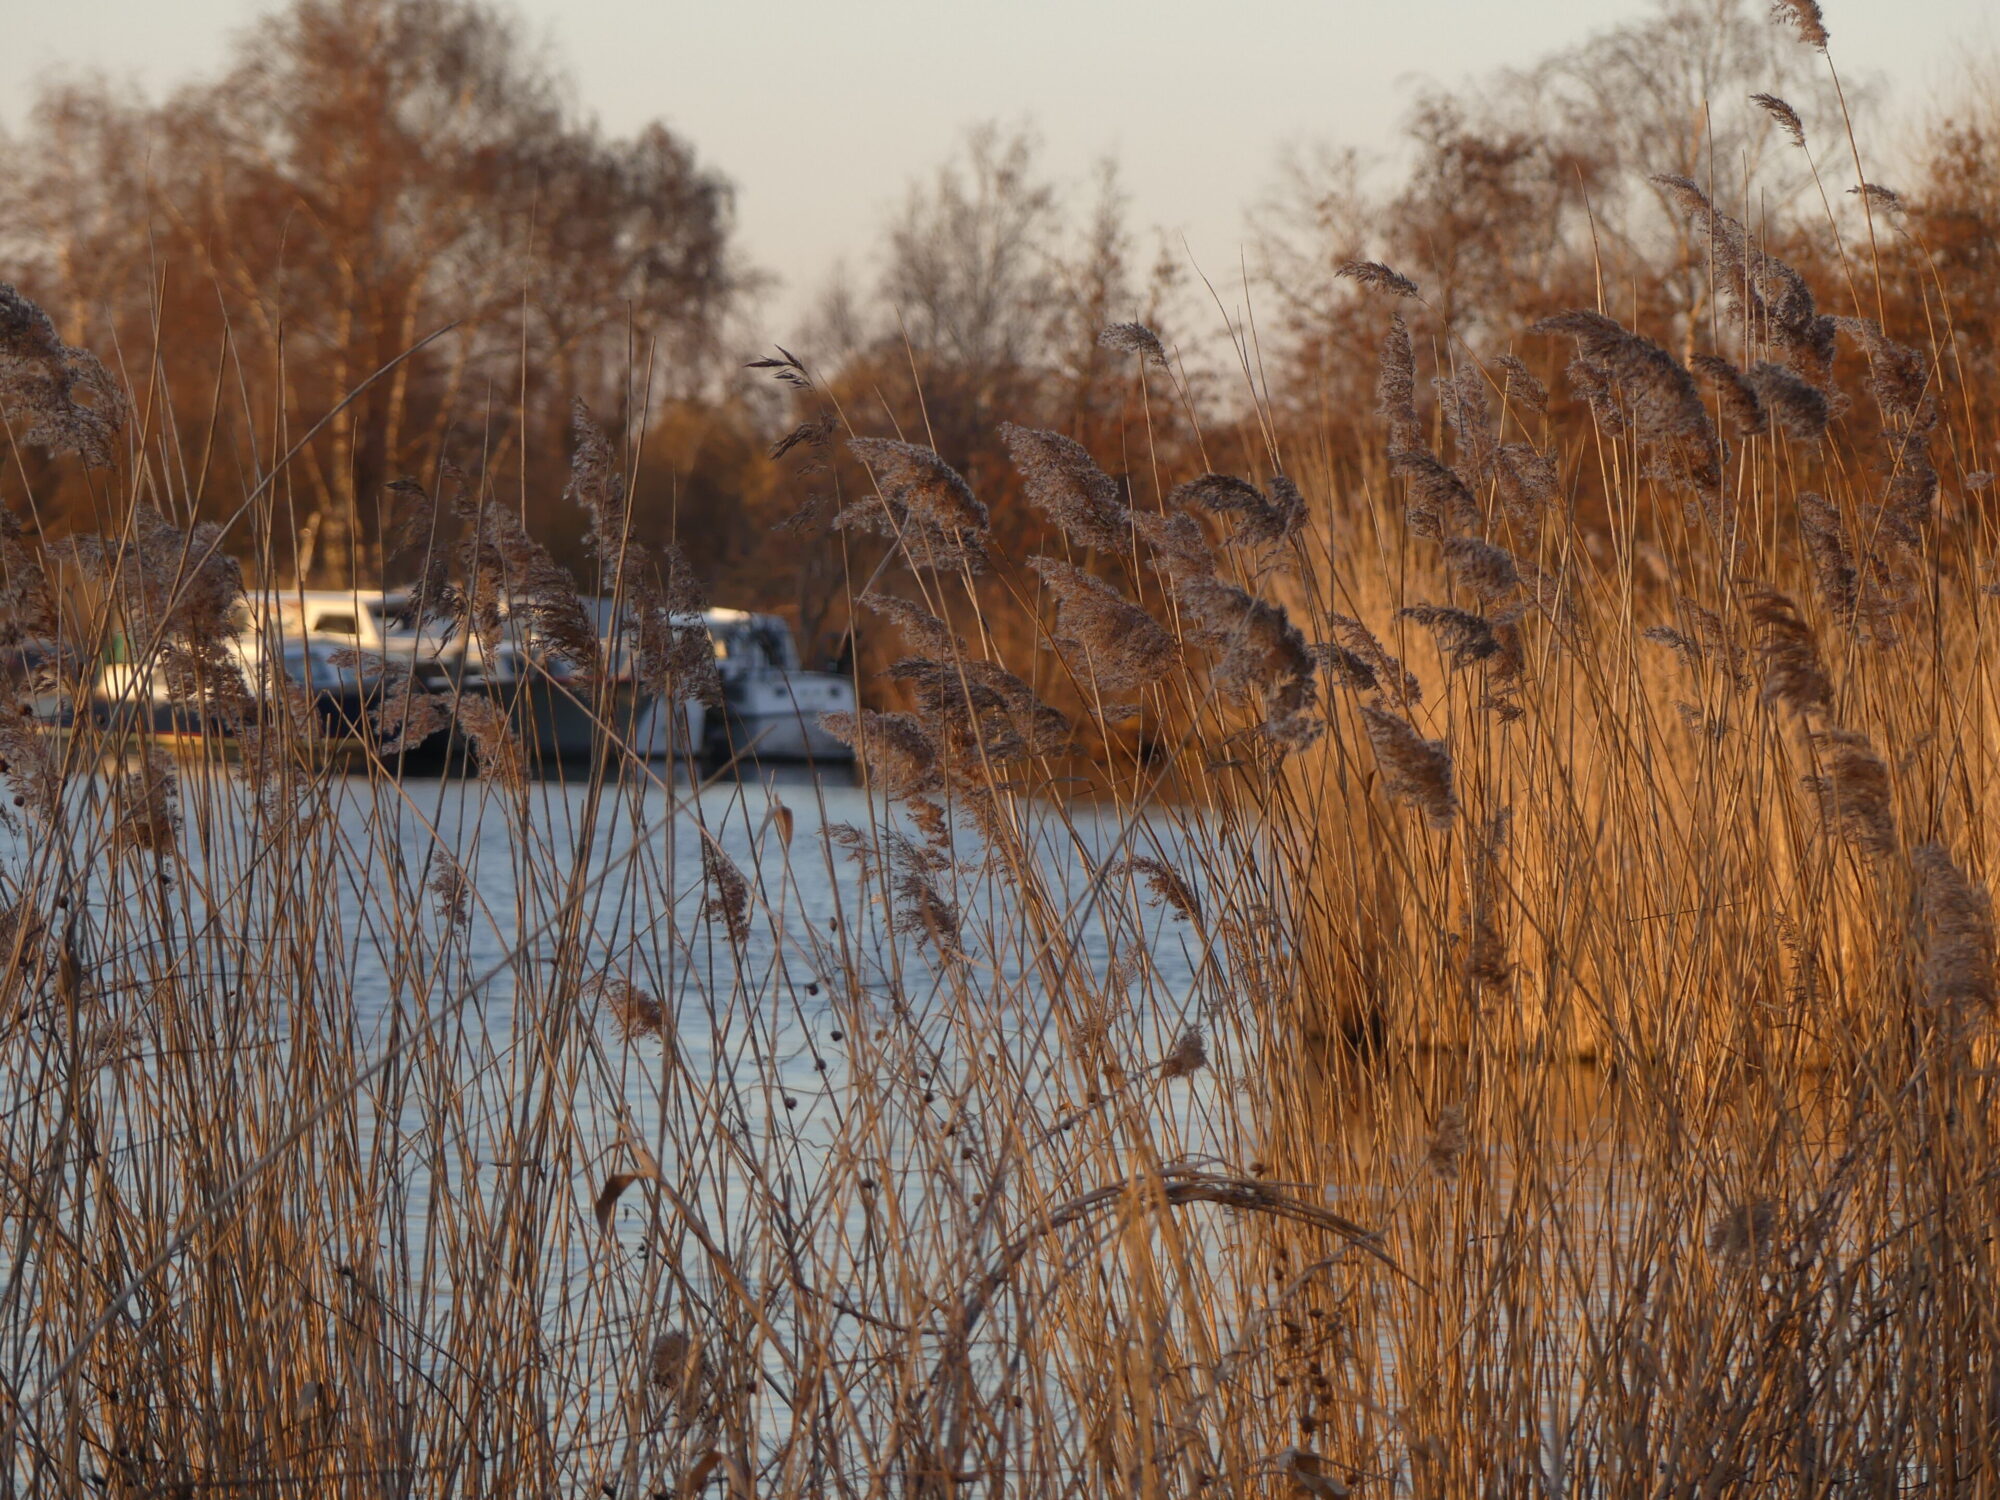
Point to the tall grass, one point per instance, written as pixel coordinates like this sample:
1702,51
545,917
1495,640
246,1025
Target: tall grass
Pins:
1505,1009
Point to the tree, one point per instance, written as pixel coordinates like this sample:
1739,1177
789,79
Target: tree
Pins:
365,173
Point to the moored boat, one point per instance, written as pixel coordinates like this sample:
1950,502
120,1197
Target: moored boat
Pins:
772,706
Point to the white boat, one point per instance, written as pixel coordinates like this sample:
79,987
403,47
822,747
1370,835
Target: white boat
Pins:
771,705
362,620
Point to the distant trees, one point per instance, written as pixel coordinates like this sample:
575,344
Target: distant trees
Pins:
252,250
1534,192
364,173
995,282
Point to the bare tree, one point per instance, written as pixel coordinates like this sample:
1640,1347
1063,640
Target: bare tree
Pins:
968,255
364,173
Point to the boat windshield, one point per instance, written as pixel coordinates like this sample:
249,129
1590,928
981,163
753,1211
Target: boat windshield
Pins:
759,644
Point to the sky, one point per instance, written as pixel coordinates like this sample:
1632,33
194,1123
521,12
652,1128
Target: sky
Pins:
822,114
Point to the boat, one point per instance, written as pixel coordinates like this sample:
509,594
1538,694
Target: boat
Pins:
772,707
129,700
559,716
352,649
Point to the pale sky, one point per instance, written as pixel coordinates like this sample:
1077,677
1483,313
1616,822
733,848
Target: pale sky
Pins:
822,113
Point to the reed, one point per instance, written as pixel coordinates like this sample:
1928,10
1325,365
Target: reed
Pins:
1418,984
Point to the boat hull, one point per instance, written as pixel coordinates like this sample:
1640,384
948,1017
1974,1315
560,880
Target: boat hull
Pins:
776,716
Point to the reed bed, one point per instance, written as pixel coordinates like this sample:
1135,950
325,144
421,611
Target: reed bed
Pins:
1504,1005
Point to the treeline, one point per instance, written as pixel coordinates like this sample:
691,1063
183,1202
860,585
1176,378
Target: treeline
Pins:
256,257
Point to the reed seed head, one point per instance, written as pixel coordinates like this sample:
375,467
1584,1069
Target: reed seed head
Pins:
728,897
1958,930
1377,277
1788,651
1123,649
1134,338
922,503
1414,769
1786,117
41,379
1063,482
1854,791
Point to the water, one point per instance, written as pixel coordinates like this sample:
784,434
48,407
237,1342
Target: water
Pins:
444,1078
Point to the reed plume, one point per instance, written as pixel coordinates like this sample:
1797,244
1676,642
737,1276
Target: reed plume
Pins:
145,807
1660,398
1062,481
1468,415
921,502
1738,398
1899,378
1854,792
1804,17
1787,118
28,764
1264,521
513,574
1166,886
1396,387
27,606
1489,572
728,893
451,890
1263,659
41,379
1486,961
1122,648
1744,1232
1188,1057
923,631
1835,578
1414,769
979,709
1344,667
1398,685
1378,278
1445,1152
675,655
1957,918
597,488
1788,651
1439,502
1521,387
494,746
1465,638
1797,405
416,532
1528,483
899,757
1176,541
1769,298
1134,338
405,715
